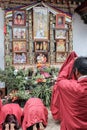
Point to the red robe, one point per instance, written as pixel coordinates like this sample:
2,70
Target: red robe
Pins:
73,101
10,109
34,112
1,116
55,107
0,104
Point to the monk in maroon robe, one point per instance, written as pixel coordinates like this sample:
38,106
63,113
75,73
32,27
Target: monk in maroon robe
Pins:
73,95
55,107
35,115
1,117
10,115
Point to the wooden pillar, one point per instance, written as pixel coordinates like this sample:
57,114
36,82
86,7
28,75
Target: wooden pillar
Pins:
52,53
8,42
30,53
70,38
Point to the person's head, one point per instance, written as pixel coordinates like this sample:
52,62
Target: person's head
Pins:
80,66
19,16
10,121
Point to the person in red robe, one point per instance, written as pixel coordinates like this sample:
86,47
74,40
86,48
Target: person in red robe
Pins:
10,115
1,117
35,115
73,94
55,107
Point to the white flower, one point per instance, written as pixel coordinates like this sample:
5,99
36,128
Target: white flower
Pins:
15,72
26,78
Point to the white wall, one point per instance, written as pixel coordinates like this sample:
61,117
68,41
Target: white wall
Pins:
1,39
79,35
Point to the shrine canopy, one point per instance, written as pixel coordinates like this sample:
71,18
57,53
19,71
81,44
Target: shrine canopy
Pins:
54,10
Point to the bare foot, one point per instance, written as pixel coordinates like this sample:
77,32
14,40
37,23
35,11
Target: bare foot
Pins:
12,125
7,127
34,127
41,126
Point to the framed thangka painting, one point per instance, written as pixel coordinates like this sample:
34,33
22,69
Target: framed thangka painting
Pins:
19,17
60,45
60,21
19,46
19,58
60,34
19,33
60,57
40,25
41,46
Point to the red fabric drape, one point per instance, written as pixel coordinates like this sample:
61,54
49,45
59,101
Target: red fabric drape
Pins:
55,107
0,104
5,29
10,109
34,112
1,116
72,99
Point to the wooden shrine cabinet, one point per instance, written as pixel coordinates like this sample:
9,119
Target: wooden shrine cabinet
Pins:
19,44
37,34
62,45
41,51
62,38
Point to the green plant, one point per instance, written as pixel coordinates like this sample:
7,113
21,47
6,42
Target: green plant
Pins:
14,79
28,83
43,92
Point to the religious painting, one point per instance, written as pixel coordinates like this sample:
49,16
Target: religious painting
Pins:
60,21
19,17
19,46
40,24
19,33
41,57
60,45
60,34
41,46
61,57
19,58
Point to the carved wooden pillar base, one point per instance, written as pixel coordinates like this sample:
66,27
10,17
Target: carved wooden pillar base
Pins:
8,60
52,56
32,59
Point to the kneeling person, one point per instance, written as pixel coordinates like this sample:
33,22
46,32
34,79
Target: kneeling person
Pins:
12,114
35,115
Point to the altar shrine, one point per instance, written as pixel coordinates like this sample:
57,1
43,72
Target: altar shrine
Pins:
38,33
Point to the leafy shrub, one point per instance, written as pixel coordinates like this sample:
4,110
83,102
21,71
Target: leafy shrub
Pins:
28,83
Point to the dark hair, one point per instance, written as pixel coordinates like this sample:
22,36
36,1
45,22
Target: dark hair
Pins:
19,14
31,127
37,126
81,65
10,118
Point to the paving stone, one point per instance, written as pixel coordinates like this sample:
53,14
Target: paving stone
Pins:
52,124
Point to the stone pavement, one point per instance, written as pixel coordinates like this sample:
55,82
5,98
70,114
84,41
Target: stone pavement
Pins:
52,124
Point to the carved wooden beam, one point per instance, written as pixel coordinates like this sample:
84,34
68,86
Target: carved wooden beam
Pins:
13,3
82,11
